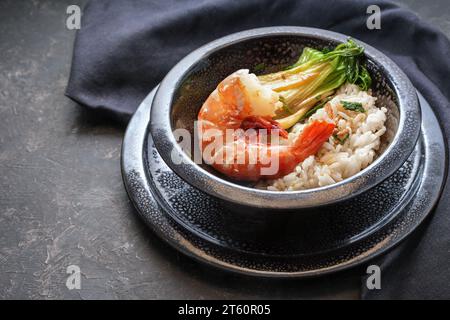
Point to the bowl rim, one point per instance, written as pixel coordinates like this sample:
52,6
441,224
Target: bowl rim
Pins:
385,165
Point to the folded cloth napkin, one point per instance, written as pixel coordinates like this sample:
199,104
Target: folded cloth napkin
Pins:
124,48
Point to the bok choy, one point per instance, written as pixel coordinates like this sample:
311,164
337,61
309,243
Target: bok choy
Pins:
314,77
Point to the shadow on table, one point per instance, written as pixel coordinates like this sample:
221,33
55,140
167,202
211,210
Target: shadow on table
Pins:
341,285
92,120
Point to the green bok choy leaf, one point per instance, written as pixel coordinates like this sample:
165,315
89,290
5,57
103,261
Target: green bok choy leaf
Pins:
314,77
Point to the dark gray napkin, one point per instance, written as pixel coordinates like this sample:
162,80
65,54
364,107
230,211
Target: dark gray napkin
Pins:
124,48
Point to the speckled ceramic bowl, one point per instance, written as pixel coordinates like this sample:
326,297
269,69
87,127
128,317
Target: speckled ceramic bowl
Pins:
189,83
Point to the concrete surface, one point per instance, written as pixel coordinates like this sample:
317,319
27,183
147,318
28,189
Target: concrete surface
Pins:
62,201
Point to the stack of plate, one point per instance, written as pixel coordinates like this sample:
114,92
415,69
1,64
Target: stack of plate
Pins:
356,231
281,234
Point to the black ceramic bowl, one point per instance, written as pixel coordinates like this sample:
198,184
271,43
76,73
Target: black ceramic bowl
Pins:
185,88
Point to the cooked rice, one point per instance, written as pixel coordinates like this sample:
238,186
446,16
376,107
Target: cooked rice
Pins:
335,161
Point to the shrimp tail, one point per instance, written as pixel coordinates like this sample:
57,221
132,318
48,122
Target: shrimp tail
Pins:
311,139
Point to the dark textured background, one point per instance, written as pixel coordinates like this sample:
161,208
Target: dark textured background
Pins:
62,201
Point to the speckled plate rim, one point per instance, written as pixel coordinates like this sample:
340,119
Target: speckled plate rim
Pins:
135,178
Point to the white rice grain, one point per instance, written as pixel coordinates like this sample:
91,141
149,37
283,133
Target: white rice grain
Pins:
335,161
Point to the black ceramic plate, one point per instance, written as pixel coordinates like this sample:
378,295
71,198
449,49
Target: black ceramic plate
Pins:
358,229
